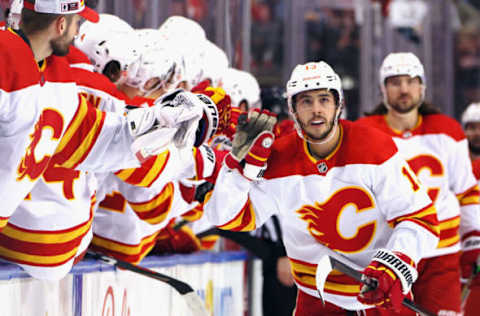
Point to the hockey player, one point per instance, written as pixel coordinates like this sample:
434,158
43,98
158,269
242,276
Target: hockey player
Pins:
471,126
38,95
334,184
243,89
436,149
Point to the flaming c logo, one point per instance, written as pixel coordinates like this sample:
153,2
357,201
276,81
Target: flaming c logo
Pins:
29,165
323,220
433,166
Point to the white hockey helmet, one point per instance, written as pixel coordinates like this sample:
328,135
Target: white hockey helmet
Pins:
215,63
397,64
121,48
15,14
149,38
471,114
313,76
192,72
242,86
90,33
179,27
154,67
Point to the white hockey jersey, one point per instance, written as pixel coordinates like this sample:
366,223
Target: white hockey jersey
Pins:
362,197
129,218
58,212
37,105
437,151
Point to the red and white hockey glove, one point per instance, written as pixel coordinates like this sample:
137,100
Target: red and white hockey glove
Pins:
252,143
389,278
470,258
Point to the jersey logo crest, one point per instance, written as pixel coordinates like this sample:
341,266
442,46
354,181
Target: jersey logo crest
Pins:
31,166
322,167
325,220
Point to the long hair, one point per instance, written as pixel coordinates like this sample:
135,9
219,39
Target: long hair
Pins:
426,108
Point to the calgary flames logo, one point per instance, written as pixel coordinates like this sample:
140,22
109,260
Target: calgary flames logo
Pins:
29,165
324,218
434,167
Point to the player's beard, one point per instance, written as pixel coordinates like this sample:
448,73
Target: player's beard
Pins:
474,148
318,138
61,45
405,108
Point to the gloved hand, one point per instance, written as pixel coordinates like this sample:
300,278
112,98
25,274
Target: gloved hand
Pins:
154,128
221,99
389,278
252,143
170,240
470,258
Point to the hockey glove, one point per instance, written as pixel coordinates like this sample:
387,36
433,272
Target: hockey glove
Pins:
251,144
170,240
470,258
389,278
154,128
221,99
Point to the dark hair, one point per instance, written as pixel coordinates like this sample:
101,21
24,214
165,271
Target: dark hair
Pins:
112,70
33,22
336,98
425,109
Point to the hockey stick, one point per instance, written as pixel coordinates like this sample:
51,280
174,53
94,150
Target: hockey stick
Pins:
333,260
193,301
466,288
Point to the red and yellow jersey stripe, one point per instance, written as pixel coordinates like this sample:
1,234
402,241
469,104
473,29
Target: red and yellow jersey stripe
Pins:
337,283
449,232
145,175
42,248
244,221
426,218
122,251
155,210
80,136
194,214
469,197
3,222
208,242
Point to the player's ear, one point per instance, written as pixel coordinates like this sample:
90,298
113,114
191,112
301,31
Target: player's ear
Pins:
60,25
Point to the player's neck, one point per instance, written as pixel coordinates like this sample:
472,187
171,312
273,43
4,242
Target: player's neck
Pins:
320,151
402,121
40,47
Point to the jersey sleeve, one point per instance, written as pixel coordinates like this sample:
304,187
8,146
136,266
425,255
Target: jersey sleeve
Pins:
95,141
407,208
465,187
238,204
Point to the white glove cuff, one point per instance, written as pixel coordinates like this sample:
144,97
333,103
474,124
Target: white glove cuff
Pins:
254,173
471,243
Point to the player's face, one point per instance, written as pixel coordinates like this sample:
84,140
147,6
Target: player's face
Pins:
472,131
61,44
315,112
404,93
